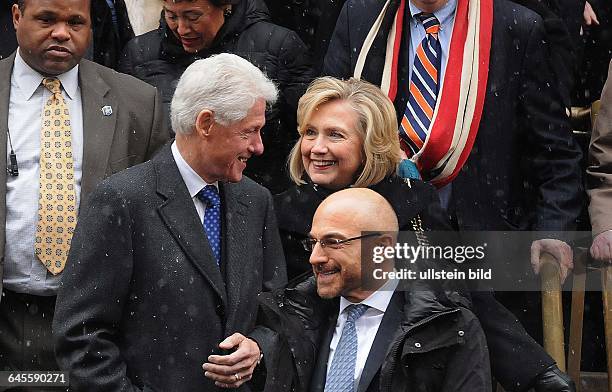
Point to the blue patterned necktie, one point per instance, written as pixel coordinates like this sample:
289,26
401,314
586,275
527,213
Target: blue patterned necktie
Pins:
341,375
209,195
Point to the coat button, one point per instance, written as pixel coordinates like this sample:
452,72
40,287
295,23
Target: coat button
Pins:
460,333
220,311
417,345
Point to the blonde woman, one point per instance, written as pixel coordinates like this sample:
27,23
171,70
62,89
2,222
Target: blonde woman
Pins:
348,138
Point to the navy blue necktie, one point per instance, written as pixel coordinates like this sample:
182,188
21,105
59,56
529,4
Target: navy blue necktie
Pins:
111,5
423,86
209,195
341,375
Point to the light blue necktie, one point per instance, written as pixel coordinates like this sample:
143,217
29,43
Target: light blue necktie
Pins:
209,195
341,375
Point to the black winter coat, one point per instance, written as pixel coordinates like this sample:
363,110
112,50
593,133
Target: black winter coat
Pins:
296,207
158,58
453,354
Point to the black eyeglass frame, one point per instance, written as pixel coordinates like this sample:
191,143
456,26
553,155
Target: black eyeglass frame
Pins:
333,243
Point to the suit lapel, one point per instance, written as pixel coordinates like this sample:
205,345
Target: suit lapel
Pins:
317,383
6,69
98,129
382,341
180,216
238,265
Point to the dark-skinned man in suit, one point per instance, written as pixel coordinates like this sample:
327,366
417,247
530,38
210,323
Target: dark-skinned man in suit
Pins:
67,124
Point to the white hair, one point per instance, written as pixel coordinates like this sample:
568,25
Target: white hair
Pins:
225,84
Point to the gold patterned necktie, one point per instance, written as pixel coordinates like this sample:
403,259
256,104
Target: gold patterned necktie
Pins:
56,201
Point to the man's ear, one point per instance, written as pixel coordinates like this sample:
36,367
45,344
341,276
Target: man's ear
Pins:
16,15
204,122
386,240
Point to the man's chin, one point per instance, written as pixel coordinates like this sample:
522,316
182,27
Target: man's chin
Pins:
235,178
49,67
327,293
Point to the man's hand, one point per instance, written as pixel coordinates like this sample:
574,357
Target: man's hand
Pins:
561,251
589,16
601,249
233,370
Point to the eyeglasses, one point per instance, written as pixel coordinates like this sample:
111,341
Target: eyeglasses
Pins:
333,243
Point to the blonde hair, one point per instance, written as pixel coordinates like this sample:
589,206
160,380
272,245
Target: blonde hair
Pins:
377,126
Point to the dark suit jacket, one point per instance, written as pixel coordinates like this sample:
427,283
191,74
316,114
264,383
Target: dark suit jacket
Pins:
523,171
130,135
143,302
108,39
7,30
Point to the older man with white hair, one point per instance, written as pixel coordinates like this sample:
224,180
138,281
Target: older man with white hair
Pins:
168,258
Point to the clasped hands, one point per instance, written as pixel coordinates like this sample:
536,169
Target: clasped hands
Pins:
233,370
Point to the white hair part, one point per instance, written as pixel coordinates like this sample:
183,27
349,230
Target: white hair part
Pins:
225,84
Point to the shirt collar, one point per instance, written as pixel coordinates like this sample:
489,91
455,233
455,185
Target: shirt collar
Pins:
378,300
444,14
28,79
194,182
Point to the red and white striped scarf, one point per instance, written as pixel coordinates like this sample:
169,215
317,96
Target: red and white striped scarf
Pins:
459,106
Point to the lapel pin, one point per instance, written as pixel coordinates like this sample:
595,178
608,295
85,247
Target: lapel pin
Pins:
107,110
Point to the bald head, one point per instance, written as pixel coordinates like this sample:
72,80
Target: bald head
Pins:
345,216
361,208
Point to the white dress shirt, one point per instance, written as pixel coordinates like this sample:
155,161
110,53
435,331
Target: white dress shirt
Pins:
23,272
366,326
194,182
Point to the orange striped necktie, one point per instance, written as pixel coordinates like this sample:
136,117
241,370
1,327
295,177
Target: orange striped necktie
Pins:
423,87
